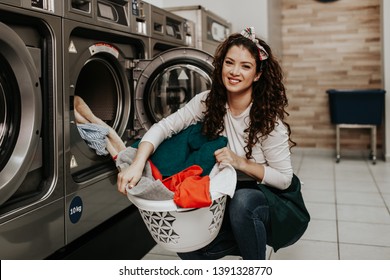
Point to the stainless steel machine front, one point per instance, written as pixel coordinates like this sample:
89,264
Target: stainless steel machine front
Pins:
210,29
168,30
98,55
31,135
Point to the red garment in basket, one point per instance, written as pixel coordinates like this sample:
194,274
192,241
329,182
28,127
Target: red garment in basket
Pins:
155,172
173,182
193,192
190,188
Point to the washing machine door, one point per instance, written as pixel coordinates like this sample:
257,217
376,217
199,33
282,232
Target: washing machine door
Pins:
169,81
20,111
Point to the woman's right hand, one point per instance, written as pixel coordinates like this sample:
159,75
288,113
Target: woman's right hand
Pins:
129,176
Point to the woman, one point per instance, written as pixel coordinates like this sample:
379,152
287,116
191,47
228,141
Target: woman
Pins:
246,104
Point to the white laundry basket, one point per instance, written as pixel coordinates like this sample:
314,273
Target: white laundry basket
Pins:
184,230
177,229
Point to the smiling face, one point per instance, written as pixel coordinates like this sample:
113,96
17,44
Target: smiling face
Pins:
239,71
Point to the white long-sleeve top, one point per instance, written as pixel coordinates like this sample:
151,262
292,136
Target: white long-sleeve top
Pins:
273,151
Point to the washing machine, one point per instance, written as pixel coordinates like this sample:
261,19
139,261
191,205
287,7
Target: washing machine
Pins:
168,30
210,29
98,58
174,72
31,131
167,82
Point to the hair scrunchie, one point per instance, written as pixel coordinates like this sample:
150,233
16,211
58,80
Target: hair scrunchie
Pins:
249,33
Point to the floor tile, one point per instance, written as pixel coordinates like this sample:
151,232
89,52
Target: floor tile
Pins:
317,184
363,252
355,174
321,196
384,187
356,186
309,173
363,214
321,211
386,197
160,257
308,250
381,171
159,250
321,230
364,233
359,198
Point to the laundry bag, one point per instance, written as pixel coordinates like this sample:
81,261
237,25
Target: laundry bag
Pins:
187,229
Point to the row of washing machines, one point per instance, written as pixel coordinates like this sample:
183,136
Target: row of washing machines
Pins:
131,62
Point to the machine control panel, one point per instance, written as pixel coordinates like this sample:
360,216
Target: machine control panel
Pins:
46,5
113,11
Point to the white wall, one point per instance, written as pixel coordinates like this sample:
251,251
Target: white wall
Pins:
158,3
386,72
274,23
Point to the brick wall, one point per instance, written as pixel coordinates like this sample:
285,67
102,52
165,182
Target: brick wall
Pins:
334,45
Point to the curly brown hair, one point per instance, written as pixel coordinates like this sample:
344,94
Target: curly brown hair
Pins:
268,95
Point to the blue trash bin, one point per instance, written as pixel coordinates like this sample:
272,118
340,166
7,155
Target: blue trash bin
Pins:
356,106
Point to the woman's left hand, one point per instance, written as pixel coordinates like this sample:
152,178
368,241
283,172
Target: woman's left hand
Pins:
225,155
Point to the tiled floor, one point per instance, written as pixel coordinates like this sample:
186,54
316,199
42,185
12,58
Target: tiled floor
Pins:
349,203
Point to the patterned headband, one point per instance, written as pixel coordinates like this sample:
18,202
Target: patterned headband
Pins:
249,33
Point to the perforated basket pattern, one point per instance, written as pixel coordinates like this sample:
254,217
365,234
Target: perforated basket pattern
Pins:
161,224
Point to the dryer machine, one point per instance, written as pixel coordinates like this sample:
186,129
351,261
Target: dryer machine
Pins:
210,29
31,158
168,30
174,73
98,60
167,82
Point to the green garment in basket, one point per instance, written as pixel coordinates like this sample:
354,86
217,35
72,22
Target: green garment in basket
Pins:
188,147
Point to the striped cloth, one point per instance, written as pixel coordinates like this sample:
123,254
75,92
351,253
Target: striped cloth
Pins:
95,136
